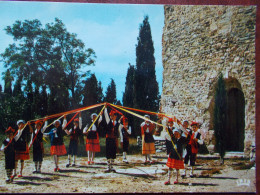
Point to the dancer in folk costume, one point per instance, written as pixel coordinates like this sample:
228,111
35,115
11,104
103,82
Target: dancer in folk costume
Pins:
125,131
74,134
168,141
38,149
187,151
92,140
147,131
57,145
8,148
195,141
111,137
21,147
175,160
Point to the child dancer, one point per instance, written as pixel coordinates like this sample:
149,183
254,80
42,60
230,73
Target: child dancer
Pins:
38,149
92,140
111,136
175,160
147,131
74,133
21,147
194,142
57,145
168,137
124,131
9,154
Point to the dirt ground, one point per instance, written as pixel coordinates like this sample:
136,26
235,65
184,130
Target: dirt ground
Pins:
129,178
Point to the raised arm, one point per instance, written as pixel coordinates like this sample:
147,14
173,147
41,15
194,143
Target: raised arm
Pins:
129,130
45,126
85,129
18,135
100,119
80,121
106,116
64,122
68,132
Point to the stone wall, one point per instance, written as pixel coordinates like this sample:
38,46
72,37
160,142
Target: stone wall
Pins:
199,42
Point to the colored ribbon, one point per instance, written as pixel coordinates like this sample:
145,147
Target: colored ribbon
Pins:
95,119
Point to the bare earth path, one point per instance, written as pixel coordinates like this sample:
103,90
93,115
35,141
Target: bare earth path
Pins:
132,177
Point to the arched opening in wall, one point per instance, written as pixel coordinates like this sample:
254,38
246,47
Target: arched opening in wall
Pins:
235,130
235,134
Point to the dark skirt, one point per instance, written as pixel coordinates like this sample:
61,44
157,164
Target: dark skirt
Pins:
111,148
38,152
73,147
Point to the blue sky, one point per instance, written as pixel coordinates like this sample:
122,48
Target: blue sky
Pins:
110,29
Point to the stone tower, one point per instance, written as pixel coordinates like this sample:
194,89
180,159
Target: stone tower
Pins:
200,42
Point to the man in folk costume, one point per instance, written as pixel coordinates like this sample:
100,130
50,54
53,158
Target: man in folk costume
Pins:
111,136
21,147
195,141
8,148
187,151
92,140
57,145
175,160
147,131
38,149
74,134
125,131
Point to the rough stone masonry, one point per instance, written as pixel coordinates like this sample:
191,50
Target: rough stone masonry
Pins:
199,42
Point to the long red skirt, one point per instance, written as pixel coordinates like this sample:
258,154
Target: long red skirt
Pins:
22,155
58,150
175,164
93,145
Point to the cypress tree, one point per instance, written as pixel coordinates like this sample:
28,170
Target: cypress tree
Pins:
111,93
44,101
128,96
220,117
8,83
17,88
145,86
90,92
100,93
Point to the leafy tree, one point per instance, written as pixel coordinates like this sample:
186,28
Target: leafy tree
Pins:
220,117
111,93
51,56
145,84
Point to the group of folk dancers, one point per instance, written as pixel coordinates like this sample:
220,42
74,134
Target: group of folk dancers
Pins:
16,147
